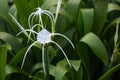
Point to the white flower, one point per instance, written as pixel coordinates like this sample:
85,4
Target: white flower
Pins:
44,37
38,13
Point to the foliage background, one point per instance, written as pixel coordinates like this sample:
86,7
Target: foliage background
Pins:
90,24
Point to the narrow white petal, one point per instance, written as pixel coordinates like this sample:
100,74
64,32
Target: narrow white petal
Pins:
62,52
32,20
31,31
29,21
49,13
64,37
40,19
51,17
37,25
27,53
19,33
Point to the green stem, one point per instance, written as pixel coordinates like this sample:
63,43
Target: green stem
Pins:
46,59
3,57
110,72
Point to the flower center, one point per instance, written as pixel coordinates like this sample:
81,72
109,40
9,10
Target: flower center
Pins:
44,36
38,11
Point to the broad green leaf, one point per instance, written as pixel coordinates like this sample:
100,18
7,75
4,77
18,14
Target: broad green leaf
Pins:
36,3
16,45
75,64
13,10
3,58
80,24
87,15
109,72
83,53
90,40
39,66
61,70
17,58
112,7
110,25
52,70
48,3
69,34
79,74
4,9
101,7
72,7
36,67
118,1
97,46
10,69
24,11
52,51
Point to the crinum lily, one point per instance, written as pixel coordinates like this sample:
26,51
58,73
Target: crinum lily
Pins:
42,36
38,13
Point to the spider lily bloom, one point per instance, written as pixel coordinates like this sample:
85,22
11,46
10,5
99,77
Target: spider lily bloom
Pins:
43,37
38,13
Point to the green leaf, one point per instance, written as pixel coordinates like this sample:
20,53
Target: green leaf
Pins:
4,9
36,67
69,34
10,69
48,3
87,15
17,58
90,40
36,3
97,46
52,51
109,72
61,70
75,64
110,25
112,7
3,57
83,51
24,11
101,7
52,69
72,7
79,74
80,24
16,45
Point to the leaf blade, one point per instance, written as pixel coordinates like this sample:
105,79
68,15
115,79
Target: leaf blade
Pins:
3,57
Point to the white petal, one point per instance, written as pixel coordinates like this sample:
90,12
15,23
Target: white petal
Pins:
44,36
27,53
64,37
62,52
